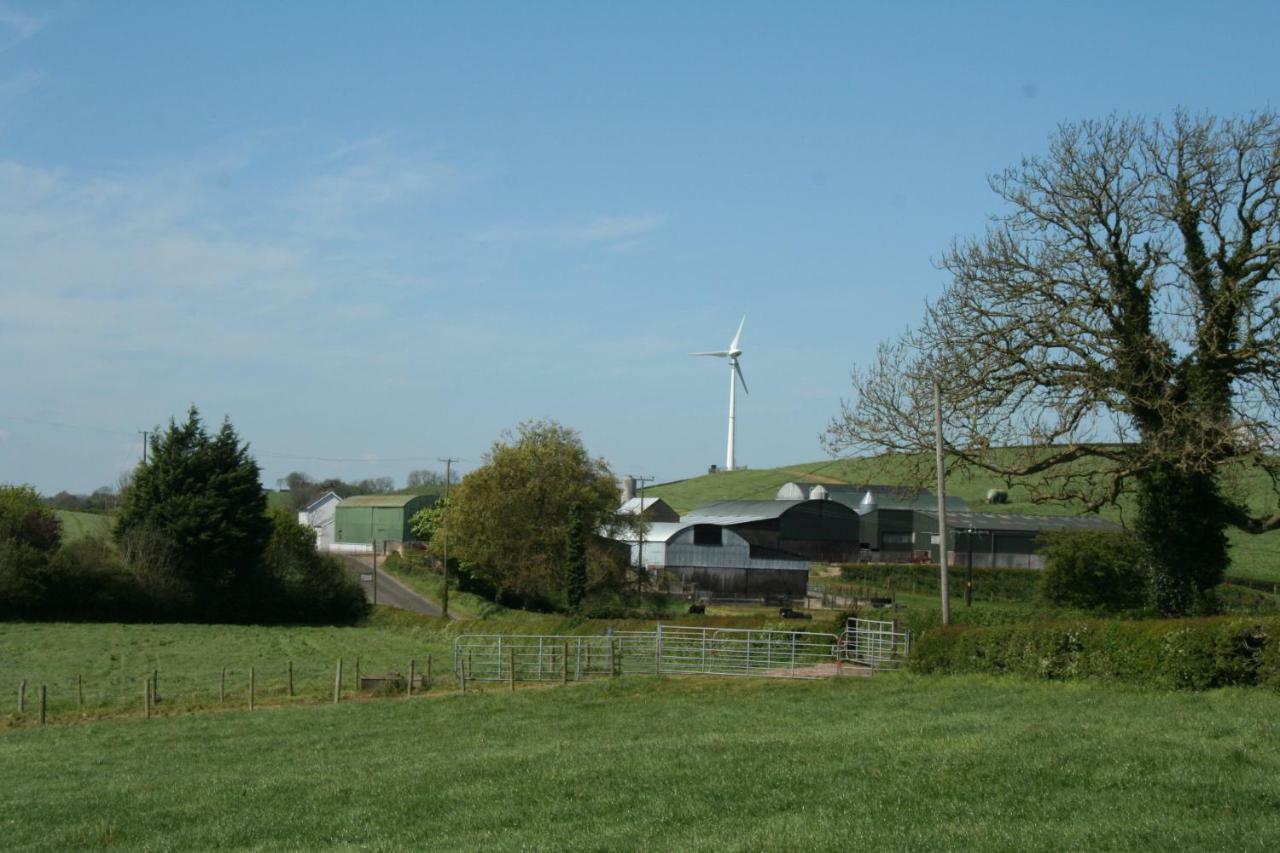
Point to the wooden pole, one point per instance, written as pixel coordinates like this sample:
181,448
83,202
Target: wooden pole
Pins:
337,682
942,502
253,688
222,687
44,703
511,671
357,673
564,662
80,693
412,675
22,696
146,698
428,682
291,679
155,687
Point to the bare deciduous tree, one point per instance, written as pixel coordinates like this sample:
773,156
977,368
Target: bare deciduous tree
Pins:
1117,326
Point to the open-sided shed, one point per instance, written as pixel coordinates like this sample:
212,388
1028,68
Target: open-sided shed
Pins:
815,529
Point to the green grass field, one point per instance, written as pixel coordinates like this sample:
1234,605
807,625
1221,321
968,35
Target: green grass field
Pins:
1254,557
897,762
77,525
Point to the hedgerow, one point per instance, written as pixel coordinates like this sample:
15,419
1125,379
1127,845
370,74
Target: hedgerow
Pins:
1172,654
988,584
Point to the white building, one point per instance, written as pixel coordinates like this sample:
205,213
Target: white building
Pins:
319,516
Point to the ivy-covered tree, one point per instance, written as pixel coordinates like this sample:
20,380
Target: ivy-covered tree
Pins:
1115,332
198,501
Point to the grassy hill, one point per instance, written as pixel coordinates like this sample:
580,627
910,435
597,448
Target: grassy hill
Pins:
1253,557
894,762
77,525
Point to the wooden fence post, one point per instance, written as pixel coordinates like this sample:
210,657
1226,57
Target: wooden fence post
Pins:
564,662
412,675
337,682
80,692
44,703
22,696
155,687
146,698
222,687
511,671
427,683
252,688
290,679
357,673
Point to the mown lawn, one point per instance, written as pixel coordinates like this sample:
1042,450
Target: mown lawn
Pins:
897,762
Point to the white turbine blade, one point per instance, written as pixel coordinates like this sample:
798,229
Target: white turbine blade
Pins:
738,337
721,354
738,370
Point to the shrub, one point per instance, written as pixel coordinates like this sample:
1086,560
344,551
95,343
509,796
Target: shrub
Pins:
1182,654
1093,570
988,584
301,584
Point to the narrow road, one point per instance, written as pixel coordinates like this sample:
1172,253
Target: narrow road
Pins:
391,592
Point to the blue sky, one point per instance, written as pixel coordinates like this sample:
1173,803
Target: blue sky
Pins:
382,233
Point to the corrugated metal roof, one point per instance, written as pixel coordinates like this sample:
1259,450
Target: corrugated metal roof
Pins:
632,505
1016,522
383,500
659,531
738,512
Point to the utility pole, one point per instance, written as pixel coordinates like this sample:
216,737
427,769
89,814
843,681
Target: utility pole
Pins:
444,529
641,479
373,550
942,501
145,433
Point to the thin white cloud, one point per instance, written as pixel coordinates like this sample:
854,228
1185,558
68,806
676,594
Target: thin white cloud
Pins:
361,179
16,26
603,229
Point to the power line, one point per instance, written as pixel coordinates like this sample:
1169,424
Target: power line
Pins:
371,460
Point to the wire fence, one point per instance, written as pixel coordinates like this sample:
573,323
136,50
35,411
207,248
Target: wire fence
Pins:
157,689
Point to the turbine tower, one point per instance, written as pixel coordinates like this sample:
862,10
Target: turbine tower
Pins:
735,376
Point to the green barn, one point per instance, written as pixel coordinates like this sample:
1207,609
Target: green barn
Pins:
361,519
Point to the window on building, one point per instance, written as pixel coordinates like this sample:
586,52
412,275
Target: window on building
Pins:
707,534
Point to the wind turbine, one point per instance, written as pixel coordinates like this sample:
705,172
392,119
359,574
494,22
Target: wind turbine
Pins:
735,376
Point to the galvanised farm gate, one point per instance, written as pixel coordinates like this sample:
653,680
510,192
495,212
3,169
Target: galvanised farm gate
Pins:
864,647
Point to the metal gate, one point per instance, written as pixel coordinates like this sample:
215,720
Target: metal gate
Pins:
667,650
874,644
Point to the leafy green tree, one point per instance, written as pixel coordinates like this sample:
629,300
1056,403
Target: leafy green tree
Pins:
200,496
510,518
575,558
24,520
303,585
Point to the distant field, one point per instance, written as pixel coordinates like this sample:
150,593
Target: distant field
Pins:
77,525
1255,557
893,762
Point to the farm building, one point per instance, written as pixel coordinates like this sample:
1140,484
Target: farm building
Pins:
990,539
364,519
816,529
1000,540
655,510
721,561
319,516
